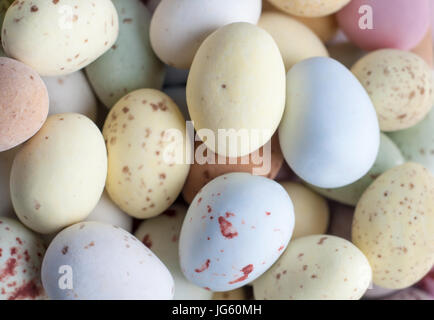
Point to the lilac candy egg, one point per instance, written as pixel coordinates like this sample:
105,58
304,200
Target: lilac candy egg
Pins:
236,227
97,261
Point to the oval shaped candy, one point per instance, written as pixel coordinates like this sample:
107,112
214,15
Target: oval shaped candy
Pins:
400,85
235,229
317,267
58,177
59,37
24,103
179,27
103,262
148,153
237,81
129,64
394,226
326,142
398,24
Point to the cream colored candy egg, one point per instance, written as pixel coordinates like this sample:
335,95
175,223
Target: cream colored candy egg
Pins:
58,176
59,37
309,8
147,153
399,84
237,81
295,40
311,210
317,267
394,226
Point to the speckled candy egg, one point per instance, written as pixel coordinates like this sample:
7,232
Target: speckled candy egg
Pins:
179,27
21,253
71,93
326,142
97,261
237,81
235,229
311,210
309,8
265,163
399,24
161,235
130,64
24,103
394,226
388,157
59,37
147,151
417,142
296,41
399,84
58,177
317,267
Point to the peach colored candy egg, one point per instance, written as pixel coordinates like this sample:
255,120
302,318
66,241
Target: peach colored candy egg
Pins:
201,174
398,24
23,103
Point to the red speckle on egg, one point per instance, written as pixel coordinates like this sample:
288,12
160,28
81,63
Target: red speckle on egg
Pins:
28,290
268,213
147,241
246,271
203,267
229,214
209,209
9,270
226,228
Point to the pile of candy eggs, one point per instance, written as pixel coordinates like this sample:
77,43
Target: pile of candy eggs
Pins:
117,181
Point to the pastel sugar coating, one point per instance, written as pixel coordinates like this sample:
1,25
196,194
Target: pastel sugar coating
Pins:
24,103
148,159
237,294
107,263
59,37
317,267
400,85
296,42
130,64
237,81
200,174
71,93
58,177
106,211
179,27
309,8
417,142
311,210
21,253
393,226
325,155
235,229
397,24
6,160
389,156
161,235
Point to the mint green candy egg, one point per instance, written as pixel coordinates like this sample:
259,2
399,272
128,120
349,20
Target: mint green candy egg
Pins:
388,157
417,143
130,63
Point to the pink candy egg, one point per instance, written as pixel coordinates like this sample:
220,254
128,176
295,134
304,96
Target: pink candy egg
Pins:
397,24
23,103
